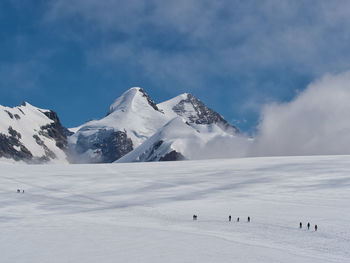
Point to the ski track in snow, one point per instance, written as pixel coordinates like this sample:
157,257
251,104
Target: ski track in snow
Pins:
143,212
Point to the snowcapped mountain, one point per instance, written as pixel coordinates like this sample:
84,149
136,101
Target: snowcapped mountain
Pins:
30,134
134,129
194,131
132,119
140,130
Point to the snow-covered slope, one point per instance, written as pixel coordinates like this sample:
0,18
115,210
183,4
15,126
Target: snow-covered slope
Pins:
134,118
171,142
179,139
142,212
30,134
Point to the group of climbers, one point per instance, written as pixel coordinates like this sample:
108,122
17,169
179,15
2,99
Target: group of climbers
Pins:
229,218
248,220
308,226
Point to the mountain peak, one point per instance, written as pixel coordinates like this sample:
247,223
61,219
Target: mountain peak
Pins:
26,104
31,134
129,98
195,111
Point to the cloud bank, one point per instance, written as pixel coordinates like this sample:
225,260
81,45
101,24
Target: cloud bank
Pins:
316,122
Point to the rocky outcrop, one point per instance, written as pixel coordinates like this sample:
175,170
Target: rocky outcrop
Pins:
172,156
201,114
149,100
103,146
12,148
55,130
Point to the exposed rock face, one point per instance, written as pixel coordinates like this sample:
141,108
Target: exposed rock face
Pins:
172,156
55,130
103,146
115,146
12,148
201,114
149,155
48,153
150,101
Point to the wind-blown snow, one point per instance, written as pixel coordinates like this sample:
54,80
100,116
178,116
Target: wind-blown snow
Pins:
143,212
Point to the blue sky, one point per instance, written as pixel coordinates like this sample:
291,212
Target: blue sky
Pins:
77,56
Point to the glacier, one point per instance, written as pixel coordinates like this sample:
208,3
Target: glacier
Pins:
142,212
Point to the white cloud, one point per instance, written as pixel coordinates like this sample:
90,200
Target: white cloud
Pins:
223,38
317,121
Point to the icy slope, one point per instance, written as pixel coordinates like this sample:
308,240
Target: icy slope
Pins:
143,212
30,134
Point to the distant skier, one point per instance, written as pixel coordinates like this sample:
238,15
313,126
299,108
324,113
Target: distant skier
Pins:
308,225
300,225
229,218
22,191
194,217
237,219
248,219
18,191
315,227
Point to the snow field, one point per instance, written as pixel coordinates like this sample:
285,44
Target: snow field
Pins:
142,212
